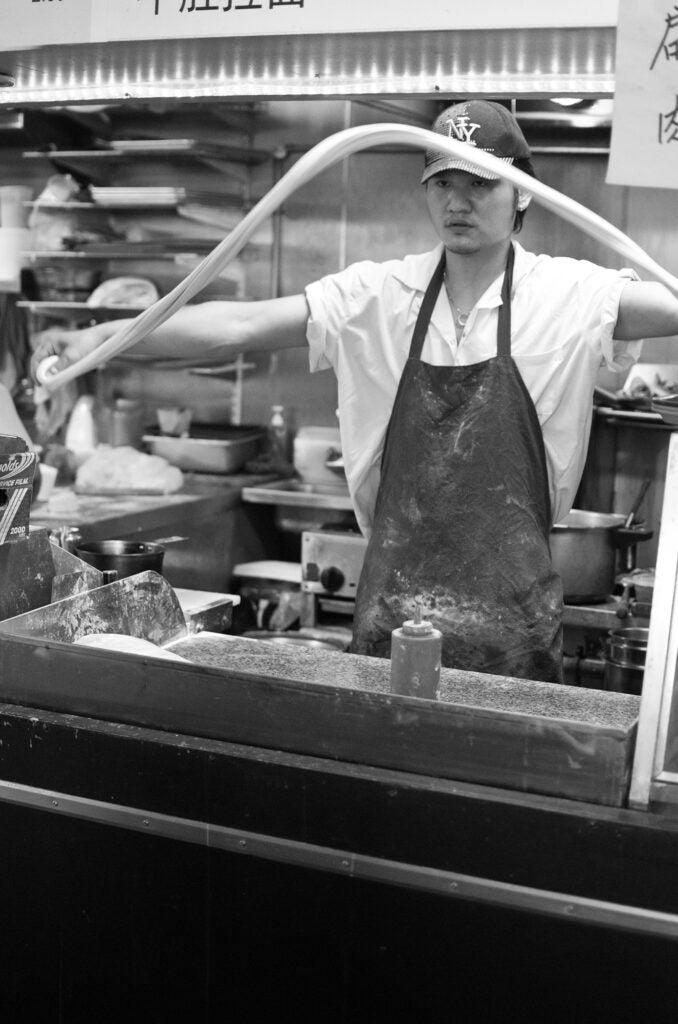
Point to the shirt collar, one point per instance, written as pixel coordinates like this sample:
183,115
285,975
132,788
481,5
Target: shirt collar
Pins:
416,274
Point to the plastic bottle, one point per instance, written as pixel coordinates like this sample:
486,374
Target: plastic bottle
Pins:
81,432
416,650
278,435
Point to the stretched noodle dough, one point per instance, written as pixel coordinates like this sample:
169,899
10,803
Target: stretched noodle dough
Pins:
321,156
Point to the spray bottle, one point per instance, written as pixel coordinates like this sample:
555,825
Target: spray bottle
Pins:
278,435
416,650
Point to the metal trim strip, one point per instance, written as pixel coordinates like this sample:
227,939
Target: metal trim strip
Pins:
582,910
527,62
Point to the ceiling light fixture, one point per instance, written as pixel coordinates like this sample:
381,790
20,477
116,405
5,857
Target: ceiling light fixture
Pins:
566,101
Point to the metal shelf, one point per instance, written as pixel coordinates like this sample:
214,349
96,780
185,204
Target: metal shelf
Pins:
115,253
59,309
637,417
125,149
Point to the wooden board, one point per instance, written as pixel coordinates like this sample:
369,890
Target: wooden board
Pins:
530,737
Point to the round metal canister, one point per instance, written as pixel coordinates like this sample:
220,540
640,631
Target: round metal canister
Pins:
126,423
625,659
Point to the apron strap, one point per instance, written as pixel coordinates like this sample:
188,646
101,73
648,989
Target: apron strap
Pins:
431,297
426,309
504,319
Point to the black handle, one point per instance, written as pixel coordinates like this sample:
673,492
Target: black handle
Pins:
625,536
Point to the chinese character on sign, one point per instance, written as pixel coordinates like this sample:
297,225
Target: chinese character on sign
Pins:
188,6
668,48
193,6
668,125
669,44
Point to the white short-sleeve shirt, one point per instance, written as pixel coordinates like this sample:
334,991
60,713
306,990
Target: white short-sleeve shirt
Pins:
563,315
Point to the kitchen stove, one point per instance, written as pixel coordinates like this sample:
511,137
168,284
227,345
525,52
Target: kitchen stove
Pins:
331,563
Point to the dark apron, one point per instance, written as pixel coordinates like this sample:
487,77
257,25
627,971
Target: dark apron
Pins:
463,515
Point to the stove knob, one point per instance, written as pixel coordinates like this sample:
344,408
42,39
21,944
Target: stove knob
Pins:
332,579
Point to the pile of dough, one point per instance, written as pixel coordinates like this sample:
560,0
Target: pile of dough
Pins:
128,644
124,291
126,470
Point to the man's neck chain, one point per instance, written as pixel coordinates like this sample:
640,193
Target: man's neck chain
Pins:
460,315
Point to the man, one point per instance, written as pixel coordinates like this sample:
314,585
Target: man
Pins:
465,378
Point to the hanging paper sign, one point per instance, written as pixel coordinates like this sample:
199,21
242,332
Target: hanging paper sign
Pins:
28,23
178,19
644,145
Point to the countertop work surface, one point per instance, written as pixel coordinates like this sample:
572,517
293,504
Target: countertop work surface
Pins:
473,689
113,511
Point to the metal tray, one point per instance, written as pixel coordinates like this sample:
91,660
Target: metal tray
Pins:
208,449
296,493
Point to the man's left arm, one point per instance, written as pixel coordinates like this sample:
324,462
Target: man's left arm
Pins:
646,310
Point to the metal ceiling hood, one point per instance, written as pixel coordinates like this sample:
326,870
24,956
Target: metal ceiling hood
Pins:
508,63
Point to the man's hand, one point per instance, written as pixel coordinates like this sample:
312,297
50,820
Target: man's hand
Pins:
68,345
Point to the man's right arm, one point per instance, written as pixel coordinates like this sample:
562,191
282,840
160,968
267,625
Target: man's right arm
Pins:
207,332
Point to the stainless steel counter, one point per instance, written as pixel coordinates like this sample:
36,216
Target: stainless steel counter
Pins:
604,615
112,513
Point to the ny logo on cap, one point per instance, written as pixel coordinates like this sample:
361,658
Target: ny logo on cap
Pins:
462,127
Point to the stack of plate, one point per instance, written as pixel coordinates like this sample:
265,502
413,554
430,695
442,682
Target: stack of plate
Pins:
667,407
137,196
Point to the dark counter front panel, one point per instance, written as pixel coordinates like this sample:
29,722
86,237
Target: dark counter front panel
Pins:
105,921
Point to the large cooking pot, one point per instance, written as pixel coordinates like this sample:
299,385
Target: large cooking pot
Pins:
585,548
126,557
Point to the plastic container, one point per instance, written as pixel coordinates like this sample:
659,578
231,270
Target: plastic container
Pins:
416,651
317,452
81,433
13,209
13,244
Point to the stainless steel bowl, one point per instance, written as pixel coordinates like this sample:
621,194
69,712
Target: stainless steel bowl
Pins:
296,639
126,557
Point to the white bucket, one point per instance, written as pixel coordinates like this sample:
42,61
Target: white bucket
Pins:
14,243
13,212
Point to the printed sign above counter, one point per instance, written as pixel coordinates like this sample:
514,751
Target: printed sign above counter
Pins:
50,22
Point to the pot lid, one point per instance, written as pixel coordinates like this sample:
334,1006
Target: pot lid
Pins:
579,519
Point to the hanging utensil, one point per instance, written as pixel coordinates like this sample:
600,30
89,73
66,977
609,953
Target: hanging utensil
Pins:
638,502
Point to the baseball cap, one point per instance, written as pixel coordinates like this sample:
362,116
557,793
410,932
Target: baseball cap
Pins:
483,124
